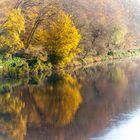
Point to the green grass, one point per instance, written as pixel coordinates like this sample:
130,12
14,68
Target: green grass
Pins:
13,67
17,67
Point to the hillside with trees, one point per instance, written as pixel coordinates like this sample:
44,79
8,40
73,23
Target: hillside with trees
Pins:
44,34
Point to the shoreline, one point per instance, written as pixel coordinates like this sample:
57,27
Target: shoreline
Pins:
99,60
39,68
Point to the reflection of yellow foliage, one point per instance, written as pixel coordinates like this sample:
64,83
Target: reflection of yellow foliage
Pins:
59,101
113,82
34,118
11,120
118,76
10,104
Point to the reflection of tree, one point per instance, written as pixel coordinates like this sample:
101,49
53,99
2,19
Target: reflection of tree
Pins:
12,123
104,91
37,79
7,85
57,103
118,77
114,81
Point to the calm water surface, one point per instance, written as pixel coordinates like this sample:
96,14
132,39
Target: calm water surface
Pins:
97,103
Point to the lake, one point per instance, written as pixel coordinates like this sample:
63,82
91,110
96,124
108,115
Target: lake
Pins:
96,103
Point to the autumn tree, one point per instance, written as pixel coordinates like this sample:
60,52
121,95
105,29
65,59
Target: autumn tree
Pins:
10,33
35,12
118,34
59,36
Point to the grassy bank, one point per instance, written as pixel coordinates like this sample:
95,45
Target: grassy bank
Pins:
18,67
112,55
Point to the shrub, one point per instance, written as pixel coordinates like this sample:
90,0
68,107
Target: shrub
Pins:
14,67
110,53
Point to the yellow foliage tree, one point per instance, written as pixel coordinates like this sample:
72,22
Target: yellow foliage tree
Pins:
10,32
60,37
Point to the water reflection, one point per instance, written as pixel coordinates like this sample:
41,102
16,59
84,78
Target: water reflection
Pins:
12,122
51,104
88,104
113,82
56,103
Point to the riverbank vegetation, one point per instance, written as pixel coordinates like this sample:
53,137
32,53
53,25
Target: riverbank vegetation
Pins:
38,36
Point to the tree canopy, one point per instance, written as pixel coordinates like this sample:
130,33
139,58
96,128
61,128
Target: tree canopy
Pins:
10,32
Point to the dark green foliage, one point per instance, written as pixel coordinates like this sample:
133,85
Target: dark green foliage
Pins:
110,53
54,59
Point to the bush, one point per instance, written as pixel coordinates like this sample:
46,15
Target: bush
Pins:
14,67
110,53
